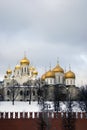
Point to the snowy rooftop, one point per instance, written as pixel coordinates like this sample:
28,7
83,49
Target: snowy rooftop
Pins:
33,107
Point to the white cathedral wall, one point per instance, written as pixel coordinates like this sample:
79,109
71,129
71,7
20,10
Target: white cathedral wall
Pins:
70,81
22,79
17,73
24,69
59,78
49,80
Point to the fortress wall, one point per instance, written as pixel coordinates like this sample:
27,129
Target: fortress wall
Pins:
33,121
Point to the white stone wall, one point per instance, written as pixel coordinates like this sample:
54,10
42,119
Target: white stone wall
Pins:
50,81
24,69
70,81
59,78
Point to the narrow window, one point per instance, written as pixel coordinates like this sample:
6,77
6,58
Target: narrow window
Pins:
27,92
22,70
50,81
21,92
59,79
25,70
67,82
33,93
71,82
8,92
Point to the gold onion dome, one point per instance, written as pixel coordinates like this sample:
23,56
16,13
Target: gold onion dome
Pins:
9,71
35,72
43,77
25,61
31,68
58,69
17,67
50,74
69,74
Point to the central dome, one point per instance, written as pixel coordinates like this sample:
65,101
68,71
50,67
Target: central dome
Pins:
58,69
25,61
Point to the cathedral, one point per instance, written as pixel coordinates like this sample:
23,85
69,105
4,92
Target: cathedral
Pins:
58,76
24,72
25,83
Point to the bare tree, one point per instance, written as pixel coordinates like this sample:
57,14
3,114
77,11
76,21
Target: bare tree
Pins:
59,96
29,84
83,98
14,90
44,120
68,122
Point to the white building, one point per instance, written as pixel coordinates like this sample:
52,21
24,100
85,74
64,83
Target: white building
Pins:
21,74
58,76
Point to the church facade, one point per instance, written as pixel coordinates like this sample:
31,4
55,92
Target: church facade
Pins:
22,83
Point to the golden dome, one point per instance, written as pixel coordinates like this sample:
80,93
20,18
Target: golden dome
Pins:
43,77
25,61
58,69
50,74
17,67
69,74
31,68
35,72
9,71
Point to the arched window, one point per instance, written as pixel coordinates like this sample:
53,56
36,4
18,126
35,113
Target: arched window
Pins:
67,82
8,92
21,92
33,93
50,81
27,92
25,70
59,79
22,70
71,82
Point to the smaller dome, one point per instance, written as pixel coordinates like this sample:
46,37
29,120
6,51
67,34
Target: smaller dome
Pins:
50,74
31,68
9,71
17,67
35,72
58,69
25,61
43,77
69,74
5,76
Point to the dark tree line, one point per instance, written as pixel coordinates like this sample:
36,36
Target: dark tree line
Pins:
68,122
44,120
83,99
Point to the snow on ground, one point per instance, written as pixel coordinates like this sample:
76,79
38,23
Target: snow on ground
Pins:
19,107
6,106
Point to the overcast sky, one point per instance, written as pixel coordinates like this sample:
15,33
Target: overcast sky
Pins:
45,29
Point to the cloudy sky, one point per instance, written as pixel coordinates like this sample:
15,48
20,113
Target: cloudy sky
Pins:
45,30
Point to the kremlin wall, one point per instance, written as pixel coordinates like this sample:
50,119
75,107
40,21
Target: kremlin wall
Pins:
32,121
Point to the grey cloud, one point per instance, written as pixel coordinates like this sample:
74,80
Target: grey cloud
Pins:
46,30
